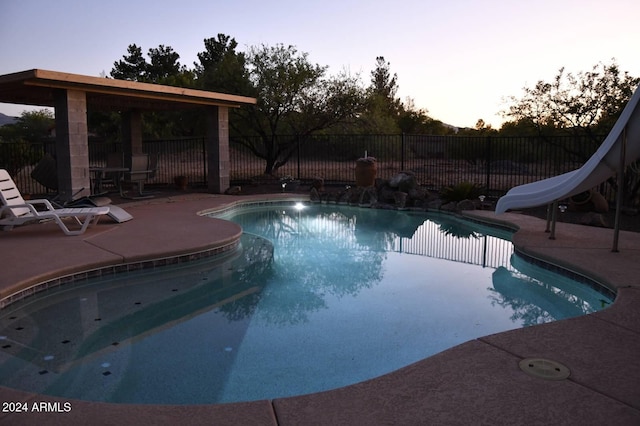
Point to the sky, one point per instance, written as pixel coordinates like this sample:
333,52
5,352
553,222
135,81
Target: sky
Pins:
459,59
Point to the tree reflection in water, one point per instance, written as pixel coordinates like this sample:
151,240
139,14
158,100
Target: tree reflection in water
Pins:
339,251
537,296
346,257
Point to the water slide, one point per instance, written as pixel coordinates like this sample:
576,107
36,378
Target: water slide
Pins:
600,167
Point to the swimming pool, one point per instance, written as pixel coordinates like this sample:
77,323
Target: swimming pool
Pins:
324,297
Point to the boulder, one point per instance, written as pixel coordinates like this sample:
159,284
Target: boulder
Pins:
593,219
403,181
369,196
400,199
233,190
465,205
314,195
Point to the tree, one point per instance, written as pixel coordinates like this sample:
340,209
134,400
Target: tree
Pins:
163,68
33,126
19,141
221,68
132,67
586,104
294,99
385,85
382,107
164,64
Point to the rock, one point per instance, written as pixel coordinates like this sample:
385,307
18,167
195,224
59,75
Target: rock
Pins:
400,199
386,194
418,194
593,219
233,190
369,196
449,207
314,195
600,204
332,197
403,181
465,205
318,184
435,204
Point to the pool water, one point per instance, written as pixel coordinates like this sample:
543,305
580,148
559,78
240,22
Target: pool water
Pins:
316,298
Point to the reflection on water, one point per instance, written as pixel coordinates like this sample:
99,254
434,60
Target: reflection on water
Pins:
537,295
314,299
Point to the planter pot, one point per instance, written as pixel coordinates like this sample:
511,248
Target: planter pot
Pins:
589,201
181,182
366,173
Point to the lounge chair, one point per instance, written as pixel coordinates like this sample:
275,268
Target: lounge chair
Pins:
16,211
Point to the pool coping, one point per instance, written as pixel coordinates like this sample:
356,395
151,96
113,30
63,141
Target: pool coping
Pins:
418,391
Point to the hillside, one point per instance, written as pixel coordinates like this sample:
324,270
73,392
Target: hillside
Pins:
5,119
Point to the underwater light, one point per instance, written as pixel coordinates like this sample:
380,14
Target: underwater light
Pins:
298,206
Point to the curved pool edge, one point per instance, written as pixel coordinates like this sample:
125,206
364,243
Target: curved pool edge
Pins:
477,381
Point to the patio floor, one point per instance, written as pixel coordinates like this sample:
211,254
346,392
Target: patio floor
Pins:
478,382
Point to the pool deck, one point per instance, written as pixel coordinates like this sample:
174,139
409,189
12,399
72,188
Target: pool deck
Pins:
477,382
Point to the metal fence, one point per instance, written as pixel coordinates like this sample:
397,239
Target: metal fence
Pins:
494,163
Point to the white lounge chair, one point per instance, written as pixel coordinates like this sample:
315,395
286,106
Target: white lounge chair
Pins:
16,211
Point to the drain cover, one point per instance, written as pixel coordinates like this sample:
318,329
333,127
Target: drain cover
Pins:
544,368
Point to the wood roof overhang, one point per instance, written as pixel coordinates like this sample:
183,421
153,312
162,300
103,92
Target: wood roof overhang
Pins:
37,87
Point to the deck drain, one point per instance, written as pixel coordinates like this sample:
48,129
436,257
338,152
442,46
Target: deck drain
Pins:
544,369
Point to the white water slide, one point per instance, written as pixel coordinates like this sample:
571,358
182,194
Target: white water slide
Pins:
607,161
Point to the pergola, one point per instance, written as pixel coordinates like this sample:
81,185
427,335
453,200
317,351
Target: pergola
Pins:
72,95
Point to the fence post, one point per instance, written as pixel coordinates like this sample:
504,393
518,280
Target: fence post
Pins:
298,155
488,164
204,159
402,144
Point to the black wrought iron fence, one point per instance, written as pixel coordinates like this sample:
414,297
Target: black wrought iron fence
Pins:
494,163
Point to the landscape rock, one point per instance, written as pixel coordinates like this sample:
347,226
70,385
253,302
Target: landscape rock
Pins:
403,181
233,190
593,219
465,205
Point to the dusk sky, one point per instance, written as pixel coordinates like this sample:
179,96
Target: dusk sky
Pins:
459,59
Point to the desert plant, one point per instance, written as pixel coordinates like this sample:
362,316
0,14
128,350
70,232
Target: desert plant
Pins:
461,191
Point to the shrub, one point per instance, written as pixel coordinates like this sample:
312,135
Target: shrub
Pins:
461,191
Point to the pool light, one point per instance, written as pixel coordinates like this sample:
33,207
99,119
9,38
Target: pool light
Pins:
298,206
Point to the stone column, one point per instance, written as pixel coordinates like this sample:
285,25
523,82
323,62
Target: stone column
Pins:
72,145
131,135
217,144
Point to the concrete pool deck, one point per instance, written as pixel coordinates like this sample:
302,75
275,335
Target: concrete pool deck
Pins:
477,382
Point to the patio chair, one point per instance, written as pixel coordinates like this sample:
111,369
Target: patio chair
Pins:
111,175
143,168
16,211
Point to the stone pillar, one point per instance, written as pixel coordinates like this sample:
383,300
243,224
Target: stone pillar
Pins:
131,135
217,143
72,145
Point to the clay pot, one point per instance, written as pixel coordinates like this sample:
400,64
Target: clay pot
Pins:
589,201
181,182
366,170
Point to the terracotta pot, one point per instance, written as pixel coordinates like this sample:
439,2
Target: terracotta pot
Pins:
366,173
181,182
589,201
